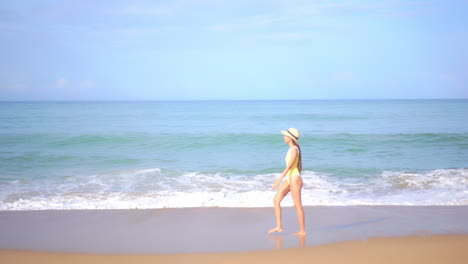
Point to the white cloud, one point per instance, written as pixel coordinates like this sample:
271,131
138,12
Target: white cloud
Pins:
314,15
286,36
344,76
218,28
447,77
453,79
147,10
13,87
87,84
61,83
84,84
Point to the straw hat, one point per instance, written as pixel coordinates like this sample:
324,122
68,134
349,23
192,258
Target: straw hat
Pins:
292,133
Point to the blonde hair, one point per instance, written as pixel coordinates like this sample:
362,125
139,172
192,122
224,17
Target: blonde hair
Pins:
299,163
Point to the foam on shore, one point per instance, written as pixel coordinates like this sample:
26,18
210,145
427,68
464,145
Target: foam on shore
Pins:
157,188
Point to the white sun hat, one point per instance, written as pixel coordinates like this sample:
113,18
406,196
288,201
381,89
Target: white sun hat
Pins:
292,133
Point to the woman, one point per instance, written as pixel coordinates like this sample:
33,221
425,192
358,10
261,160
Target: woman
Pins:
293,182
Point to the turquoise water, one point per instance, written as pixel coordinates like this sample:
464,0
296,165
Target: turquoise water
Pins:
73,155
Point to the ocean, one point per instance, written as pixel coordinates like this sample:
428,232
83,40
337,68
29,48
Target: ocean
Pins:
171,154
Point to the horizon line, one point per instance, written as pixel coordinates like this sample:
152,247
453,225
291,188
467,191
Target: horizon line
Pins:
233,100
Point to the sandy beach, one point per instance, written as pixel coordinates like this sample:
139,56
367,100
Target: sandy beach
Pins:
363,234
416,249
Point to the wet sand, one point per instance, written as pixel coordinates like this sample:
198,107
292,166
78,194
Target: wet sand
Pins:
234,235
401,250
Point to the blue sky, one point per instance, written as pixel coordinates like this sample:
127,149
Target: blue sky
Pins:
208,50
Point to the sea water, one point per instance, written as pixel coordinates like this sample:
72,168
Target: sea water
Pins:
166,154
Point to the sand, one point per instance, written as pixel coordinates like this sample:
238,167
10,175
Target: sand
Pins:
351,234
425,249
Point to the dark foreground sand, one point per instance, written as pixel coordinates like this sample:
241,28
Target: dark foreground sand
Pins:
348,234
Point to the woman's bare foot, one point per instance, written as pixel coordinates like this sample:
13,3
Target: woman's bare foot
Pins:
300,233
276,229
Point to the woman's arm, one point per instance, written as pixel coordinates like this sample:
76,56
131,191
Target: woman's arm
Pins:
290,163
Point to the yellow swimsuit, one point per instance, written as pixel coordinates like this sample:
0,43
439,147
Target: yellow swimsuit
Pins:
294,170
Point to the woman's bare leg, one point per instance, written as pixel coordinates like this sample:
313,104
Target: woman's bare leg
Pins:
296,188
282,192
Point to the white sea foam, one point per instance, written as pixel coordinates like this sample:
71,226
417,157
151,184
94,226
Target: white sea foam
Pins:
157,188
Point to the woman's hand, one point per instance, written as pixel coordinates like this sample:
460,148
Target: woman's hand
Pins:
275,186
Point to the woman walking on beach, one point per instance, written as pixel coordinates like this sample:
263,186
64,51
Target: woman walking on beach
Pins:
292,184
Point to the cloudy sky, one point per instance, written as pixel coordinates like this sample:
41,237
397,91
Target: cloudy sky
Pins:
216,49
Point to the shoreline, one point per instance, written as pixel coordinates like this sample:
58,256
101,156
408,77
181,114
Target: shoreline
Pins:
217,230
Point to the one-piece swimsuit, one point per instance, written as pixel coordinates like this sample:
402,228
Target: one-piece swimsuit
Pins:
294,170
